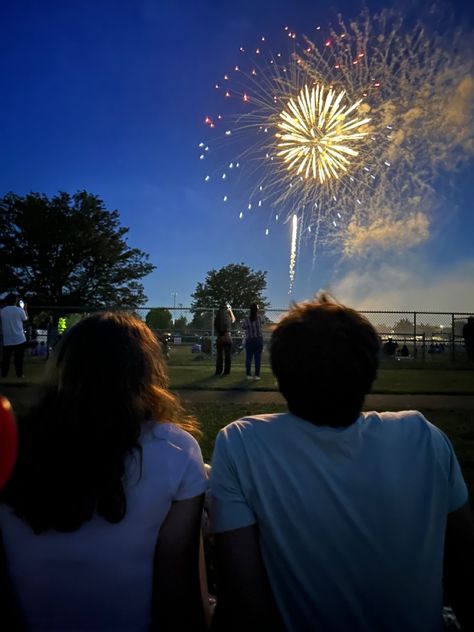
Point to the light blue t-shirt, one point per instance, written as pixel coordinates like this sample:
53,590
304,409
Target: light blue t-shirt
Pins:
100,577
351,520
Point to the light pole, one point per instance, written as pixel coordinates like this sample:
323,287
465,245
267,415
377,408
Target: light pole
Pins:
174,295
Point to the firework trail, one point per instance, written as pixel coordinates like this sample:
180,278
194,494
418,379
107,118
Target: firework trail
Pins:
345,136
294,235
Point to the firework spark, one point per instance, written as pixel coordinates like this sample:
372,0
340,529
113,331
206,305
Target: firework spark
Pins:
347,133
318,133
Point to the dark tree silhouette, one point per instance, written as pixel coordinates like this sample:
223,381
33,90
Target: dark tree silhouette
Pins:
68,250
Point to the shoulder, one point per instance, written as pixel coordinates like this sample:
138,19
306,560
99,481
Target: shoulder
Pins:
245,429
402,421
13,311
163,439
167,447
411,426
169,433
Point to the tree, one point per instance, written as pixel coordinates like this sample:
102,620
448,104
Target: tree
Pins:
181,324
68,250
42,320
427,329
403,326
159,318
236,284
383,328
202,321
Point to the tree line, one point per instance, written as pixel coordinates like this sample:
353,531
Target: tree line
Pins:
70,250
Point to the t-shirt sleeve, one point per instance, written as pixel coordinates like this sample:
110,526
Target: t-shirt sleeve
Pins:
194,479
457,489
229,508
458,493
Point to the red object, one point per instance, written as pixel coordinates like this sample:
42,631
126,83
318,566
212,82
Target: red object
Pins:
8,440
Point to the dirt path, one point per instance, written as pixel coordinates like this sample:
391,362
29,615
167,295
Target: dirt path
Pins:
377,402
24,394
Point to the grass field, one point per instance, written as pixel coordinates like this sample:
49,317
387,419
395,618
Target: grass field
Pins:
197,372
180,355
440,381
189,372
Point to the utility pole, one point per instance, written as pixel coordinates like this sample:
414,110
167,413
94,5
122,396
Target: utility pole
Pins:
174,295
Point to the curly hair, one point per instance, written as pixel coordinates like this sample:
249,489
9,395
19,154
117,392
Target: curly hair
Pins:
325,357
106,378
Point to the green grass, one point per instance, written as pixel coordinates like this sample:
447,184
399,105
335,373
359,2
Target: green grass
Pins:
424,381
188,371
191,372
458,426
388,381
180,355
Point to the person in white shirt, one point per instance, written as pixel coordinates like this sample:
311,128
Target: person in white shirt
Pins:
327,518
14,338
101,519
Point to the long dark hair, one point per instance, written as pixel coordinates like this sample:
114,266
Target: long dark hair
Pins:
106,378
253,312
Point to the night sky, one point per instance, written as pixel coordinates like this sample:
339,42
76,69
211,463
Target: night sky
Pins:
110,96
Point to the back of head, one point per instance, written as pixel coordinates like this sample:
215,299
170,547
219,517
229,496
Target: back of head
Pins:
10,299
105,358
106,377
222,320
253,311
325,357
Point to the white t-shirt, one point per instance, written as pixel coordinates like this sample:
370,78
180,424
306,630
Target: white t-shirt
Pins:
100,577
351,520
12,325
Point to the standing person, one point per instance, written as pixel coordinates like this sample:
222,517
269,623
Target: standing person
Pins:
330,518
252,325
14,339
101,518
468,335
222,325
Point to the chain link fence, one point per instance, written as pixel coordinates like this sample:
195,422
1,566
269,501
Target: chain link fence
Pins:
429,338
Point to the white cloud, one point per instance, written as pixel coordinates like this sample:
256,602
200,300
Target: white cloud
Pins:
411,285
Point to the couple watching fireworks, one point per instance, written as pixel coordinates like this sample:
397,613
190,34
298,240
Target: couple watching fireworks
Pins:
323,517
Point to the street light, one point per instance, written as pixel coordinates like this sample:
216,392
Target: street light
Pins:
174,295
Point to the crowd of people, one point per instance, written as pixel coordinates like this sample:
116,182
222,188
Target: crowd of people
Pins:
323,517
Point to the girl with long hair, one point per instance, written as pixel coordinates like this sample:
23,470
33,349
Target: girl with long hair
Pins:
252,325
101,518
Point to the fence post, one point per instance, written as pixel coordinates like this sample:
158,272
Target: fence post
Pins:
453,340
212,325
415,350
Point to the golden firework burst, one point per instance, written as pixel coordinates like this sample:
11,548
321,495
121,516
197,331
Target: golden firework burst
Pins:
318,133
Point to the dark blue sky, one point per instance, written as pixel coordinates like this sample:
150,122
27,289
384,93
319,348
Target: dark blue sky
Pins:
109,96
